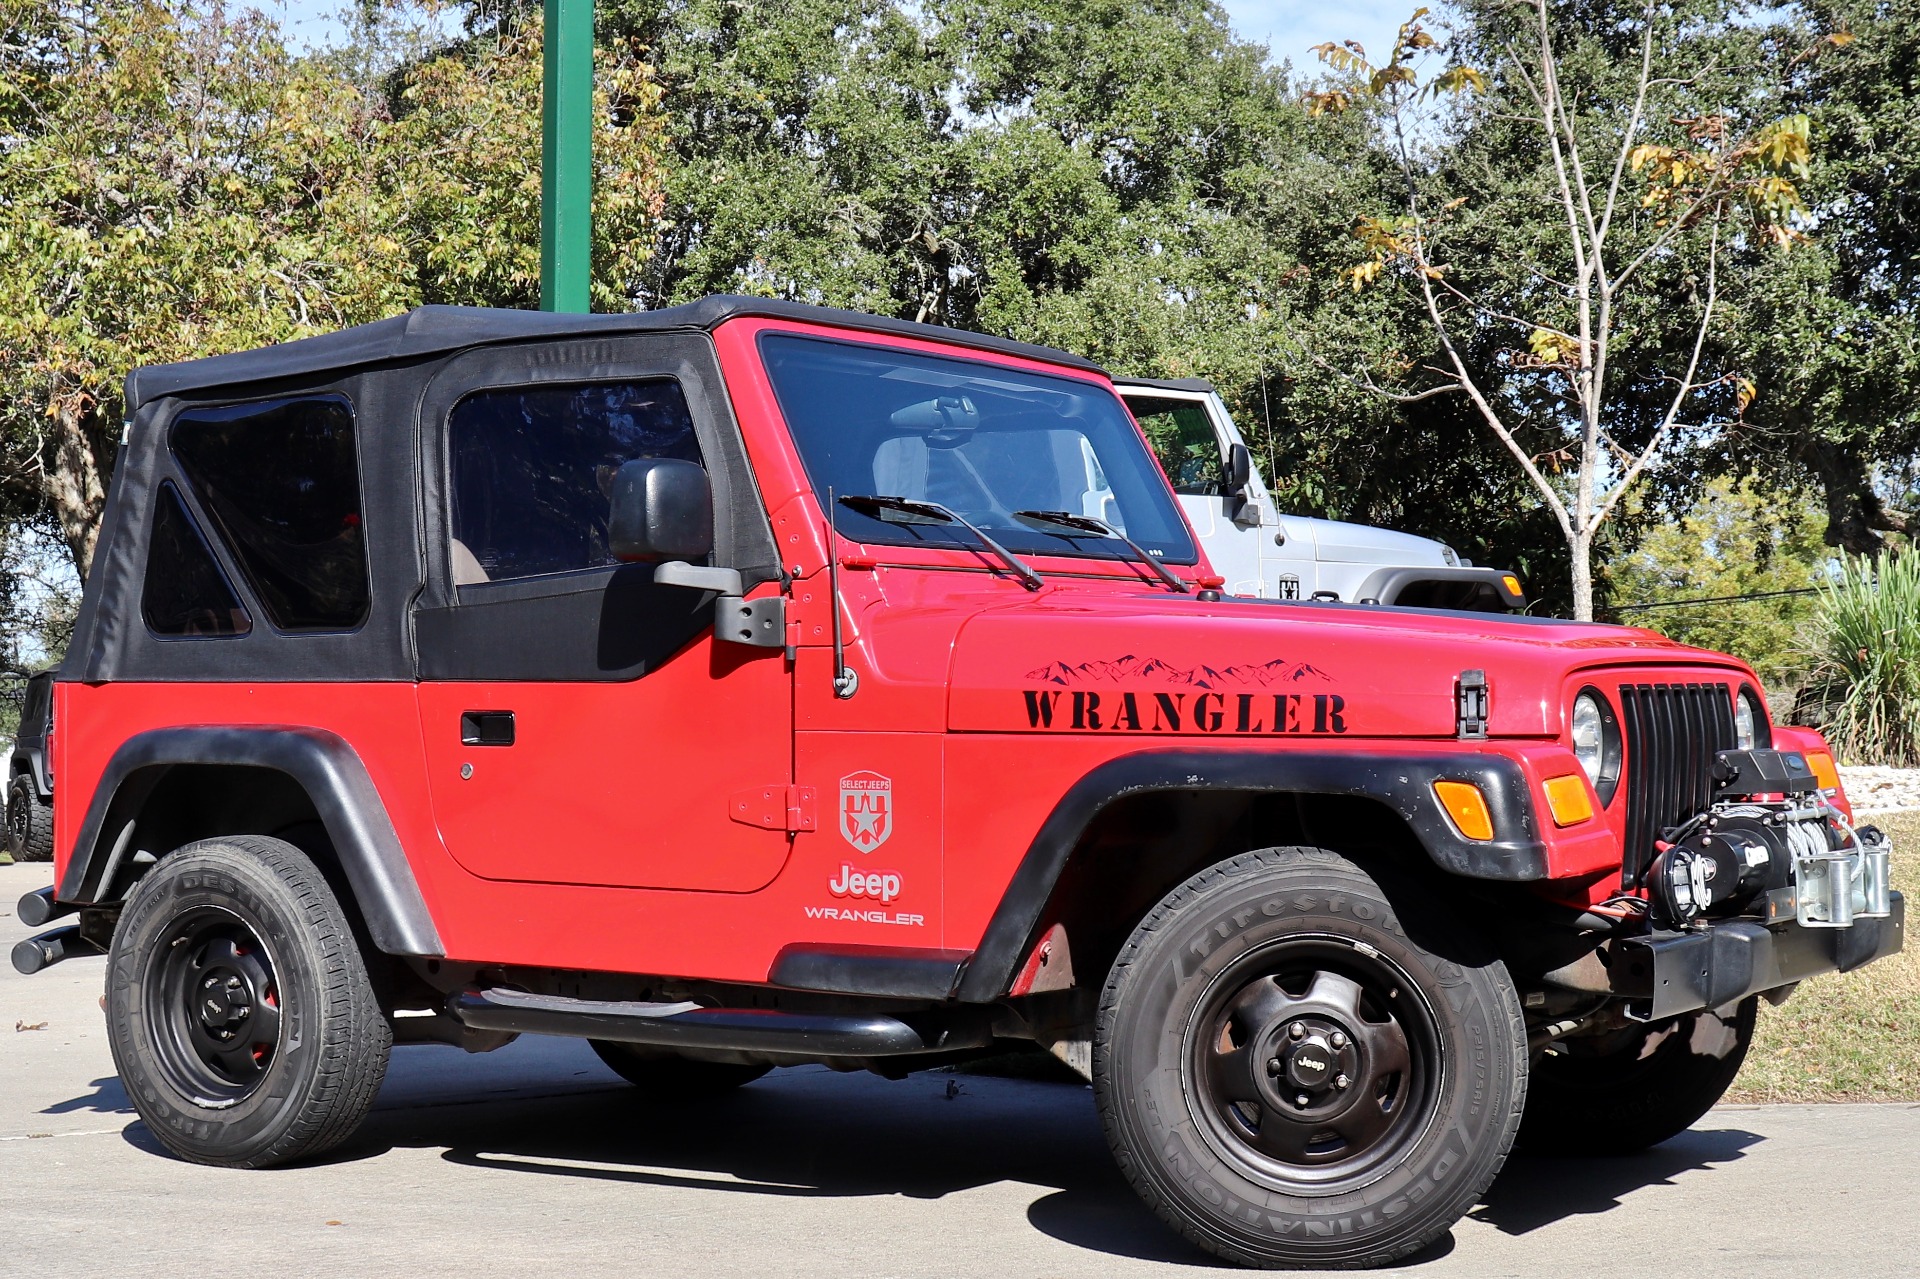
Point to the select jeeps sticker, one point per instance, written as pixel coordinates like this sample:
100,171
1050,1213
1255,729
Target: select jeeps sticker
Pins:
1196,699
866,810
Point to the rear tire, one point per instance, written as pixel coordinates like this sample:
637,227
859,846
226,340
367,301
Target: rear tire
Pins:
29,822
668,1076
239,1010
1621,1093
1289,1079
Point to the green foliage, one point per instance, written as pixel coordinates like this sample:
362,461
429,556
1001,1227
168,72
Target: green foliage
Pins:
1736,540
1866,650
176,184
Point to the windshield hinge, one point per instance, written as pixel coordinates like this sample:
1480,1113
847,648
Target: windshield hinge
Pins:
1473,704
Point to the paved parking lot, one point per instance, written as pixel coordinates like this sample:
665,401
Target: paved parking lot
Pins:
536,1159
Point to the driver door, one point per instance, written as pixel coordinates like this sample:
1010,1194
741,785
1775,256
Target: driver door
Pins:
581,724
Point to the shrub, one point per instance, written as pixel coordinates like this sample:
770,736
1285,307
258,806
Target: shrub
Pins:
1866,650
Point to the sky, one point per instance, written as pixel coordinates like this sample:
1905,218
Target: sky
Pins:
1288,28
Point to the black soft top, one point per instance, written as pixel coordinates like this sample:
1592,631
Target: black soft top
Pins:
1165,383
434,330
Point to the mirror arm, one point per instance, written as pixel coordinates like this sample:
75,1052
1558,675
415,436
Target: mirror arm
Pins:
761,623
698,577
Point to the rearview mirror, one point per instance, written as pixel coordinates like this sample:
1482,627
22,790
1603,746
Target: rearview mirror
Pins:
662,509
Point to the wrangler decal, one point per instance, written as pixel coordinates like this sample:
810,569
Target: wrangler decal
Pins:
1230,713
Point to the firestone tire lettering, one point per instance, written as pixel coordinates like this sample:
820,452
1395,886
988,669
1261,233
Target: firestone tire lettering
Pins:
1140,1082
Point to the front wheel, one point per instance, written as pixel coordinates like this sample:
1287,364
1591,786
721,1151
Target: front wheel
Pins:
1619,1093
1290,1079
239,1010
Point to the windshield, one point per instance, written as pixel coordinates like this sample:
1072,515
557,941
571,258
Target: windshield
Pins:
980,440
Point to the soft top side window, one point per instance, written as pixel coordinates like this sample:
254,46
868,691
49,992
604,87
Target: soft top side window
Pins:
280,480
532,469
185,593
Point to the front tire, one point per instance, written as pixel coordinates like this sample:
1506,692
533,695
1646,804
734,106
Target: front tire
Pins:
239,1009
1289,1078
29,822
1620,1093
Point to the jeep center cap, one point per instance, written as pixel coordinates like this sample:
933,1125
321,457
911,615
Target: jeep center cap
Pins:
1310,1062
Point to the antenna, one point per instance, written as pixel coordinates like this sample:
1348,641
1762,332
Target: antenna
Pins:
846,680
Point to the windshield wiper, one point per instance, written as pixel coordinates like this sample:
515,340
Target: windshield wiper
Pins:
900,510
1087,524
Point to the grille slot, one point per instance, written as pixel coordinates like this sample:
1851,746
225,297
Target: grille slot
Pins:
1673,732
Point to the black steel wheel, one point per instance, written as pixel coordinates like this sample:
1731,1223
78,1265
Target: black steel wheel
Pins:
239,1009
29,822
1317,1061
671,1077
1291,1072
1619,1093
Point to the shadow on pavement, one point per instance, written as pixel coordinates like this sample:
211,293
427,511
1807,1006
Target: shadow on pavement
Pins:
107,1098
1533,1191
799,1133
551,1110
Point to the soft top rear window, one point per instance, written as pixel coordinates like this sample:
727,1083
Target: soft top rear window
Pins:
981,439
280,480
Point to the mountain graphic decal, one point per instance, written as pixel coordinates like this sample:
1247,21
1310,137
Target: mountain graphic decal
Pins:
1278,673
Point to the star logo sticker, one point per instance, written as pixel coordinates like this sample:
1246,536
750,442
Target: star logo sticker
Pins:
866,810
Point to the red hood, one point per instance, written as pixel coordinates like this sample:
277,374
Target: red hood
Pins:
1070,659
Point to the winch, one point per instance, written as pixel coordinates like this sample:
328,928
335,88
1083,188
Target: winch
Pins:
1770,845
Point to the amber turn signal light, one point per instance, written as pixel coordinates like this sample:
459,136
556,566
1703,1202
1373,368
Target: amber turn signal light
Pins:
1467,806
1512,584
1821,765
1568,799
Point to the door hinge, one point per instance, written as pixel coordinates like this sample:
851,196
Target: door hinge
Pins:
788,808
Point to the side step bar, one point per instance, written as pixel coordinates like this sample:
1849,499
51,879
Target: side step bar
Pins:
687,1025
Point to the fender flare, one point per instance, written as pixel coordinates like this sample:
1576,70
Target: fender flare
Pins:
1402,782
321,763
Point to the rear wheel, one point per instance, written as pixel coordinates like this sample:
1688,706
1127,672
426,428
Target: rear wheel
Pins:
667,1076
29,822
1289,1079
239,1010
1615,1094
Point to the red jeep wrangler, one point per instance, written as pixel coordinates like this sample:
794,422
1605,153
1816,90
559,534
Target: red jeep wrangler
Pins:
747,684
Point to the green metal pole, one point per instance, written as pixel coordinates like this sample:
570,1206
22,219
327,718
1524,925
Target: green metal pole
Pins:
566,159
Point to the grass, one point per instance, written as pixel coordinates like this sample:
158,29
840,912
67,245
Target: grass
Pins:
1852,1036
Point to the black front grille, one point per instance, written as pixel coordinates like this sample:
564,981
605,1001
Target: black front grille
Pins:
1673,732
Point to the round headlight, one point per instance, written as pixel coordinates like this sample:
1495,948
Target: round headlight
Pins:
1589,735
1750,728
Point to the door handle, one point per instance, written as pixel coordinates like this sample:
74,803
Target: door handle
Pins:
486,728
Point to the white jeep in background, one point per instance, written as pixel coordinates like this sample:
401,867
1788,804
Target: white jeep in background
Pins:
1263,553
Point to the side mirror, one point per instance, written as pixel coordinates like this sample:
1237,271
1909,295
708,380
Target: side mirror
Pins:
662,509
1239,470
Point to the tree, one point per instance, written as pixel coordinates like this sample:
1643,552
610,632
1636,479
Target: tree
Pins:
1559,211
1737,541
175,184
1831,335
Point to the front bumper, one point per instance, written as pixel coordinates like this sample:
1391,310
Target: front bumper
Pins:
1665,974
